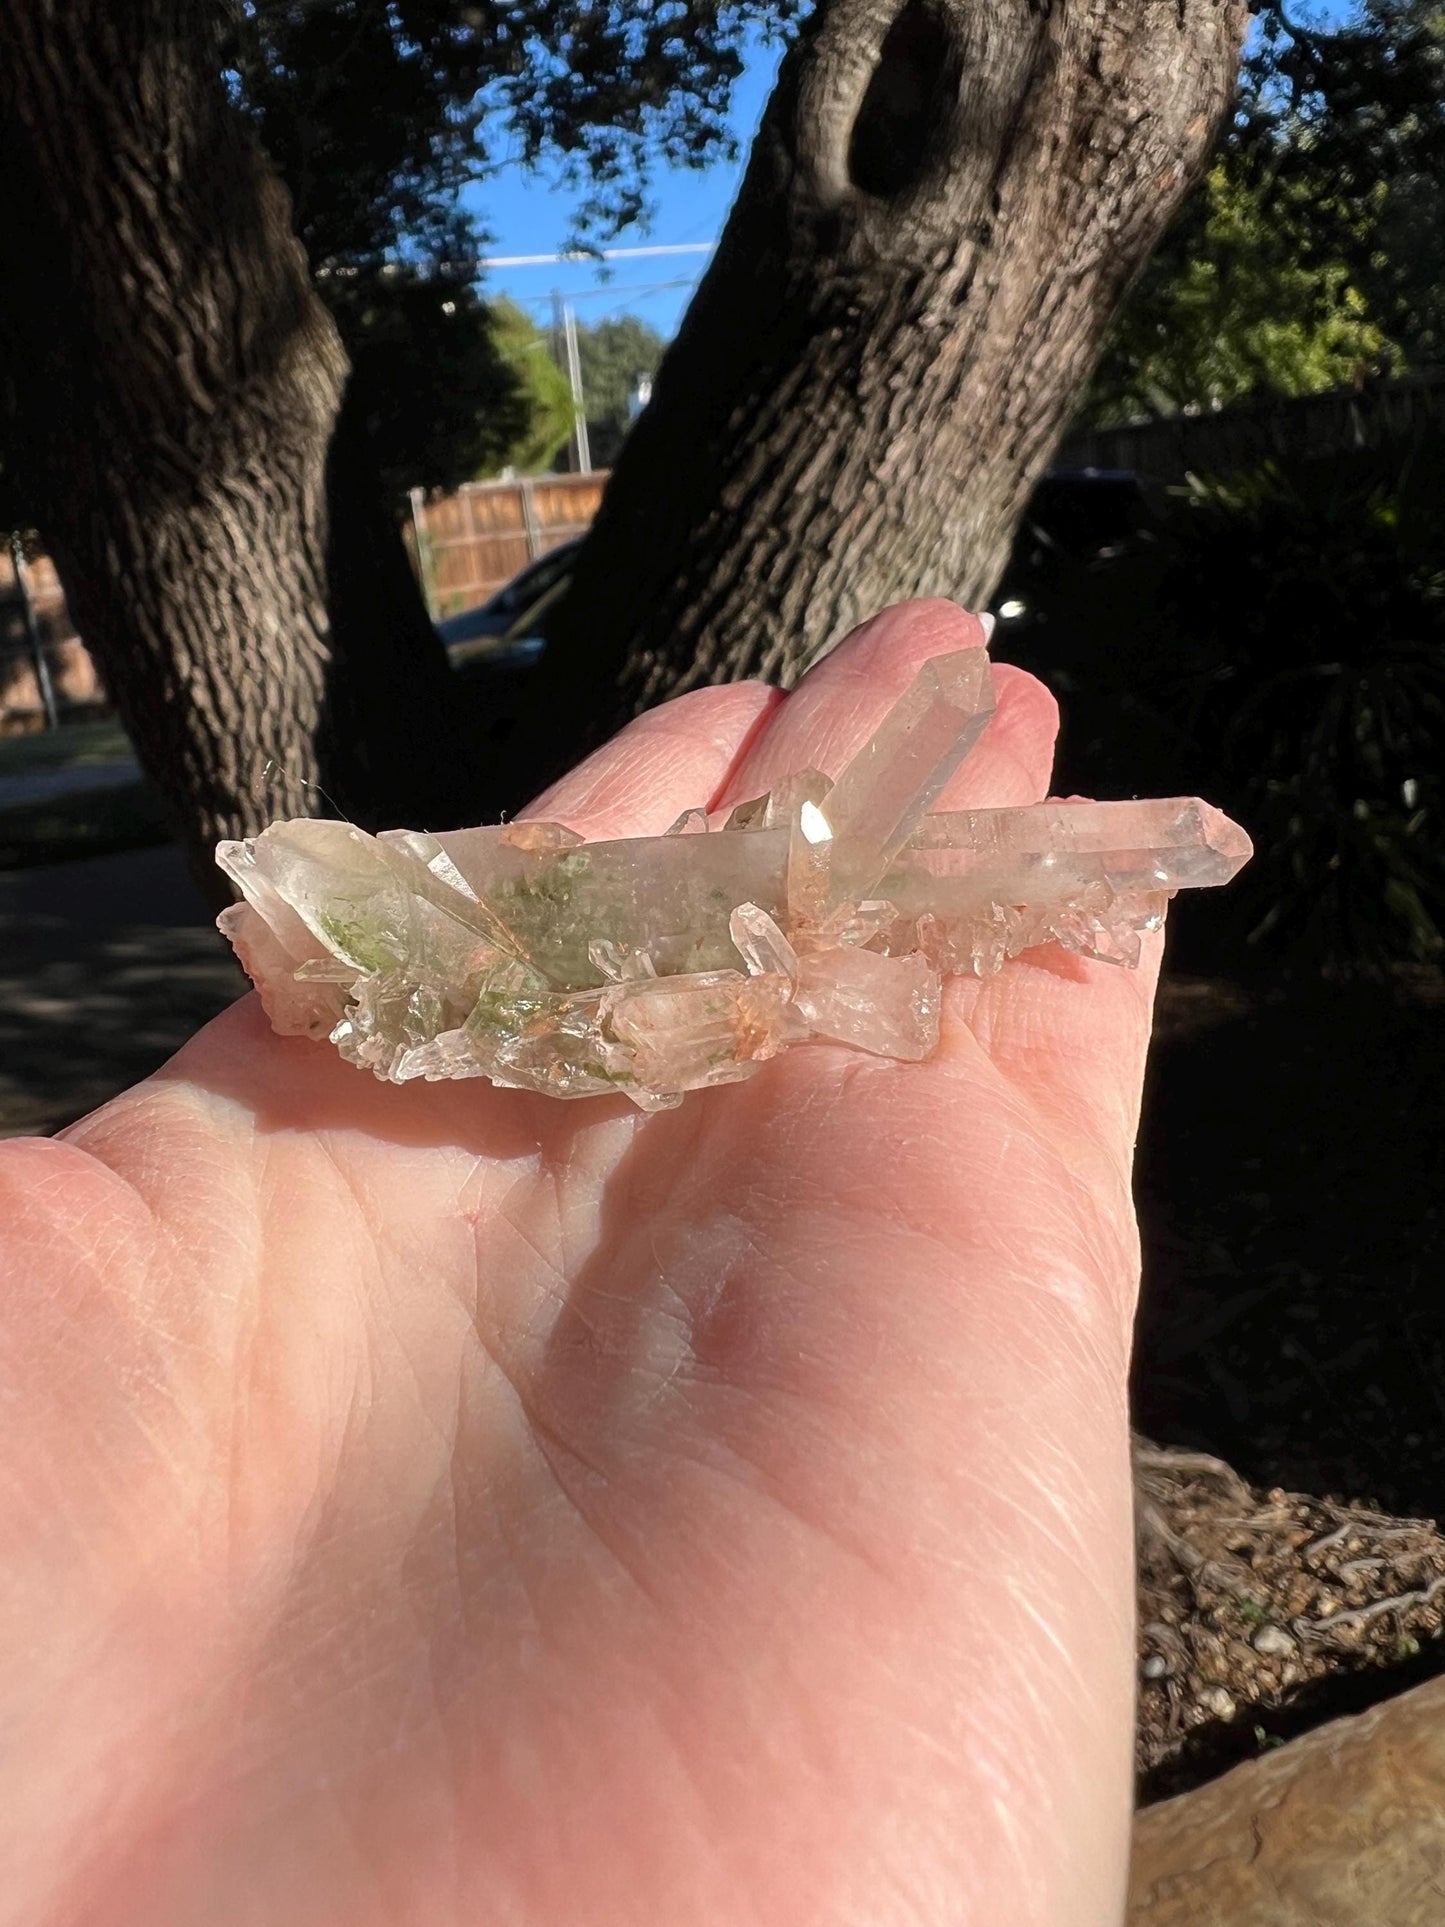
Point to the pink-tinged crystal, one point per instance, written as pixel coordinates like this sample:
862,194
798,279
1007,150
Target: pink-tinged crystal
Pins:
854,924
715,1027
296,1005
795,806
691,823
886,1005
658,965
901,770
1094,922
538,839
1169,843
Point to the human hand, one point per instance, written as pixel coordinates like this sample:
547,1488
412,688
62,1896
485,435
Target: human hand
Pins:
444,1504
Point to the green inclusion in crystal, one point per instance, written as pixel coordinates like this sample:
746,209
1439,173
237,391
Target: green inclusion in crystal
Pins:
359,942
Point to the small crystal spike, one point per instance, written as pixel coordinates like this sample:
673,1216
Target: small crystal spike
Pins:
691,823
761,944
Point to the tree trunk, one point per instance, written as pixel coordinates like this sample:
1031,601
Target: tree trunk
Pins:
177,427
945,202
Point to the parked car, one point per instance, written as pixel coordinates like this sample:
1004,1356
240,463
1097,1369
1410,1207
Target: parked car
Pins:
1075,519
498,630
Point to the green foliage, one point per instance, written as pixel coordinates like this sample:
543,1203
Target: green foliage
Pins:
547,398
377,118
432,379
1405,273
1353,119
1298,678
1314,252
614,353
1232,305
1276,643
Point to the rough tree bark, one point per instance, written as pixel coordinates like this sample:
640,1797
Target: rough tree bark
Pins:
177,428
944,205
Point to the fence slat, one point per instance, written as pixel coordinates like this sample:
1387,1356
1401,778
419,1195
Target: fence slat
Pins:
1286,429
486,533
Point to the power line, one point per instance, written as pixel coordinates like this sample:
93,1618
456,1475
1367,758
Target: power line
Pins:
397,270
610,291
582,254
622,306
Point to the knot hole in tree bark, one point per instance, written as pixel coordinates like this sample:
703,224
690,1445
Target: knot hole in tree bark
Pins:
907,103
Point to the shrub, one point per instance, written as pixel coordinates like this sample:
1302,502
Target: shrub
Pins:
1299,669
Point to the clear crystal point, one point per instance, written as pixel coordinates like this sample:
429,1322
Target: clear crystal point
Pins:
760,943
652,966
901,770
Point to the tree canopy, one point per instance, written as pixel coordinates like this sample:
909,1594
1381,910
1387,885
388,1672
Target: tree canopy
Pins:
378,117
614,354
1362,108
434,378
544,389
1229,306
1314,251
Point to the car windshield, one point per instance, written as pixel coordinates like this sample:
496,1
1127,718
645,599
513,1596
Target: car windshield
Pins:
537,578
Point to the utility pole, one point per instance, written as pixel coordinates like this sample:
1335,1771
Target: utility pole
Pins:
417,497
564,323
32,631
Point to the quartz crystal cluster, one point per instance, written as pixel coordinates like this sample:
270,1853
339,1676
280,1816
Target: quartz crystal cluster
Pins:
664,964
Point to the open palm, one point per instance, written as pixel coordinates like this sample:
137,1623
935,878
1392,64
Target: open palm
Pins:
444,1504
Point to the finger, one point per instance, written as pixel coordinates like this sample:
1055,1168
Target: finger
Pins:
838,705
1069,1032
1072,1034
678,756
1011,763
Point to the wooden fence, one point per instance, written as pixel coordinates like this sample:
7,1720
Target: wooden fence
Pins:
463,546
1282,430
467,545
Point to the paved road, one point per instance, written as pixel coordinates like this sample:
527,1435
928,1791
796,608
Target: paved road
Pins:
44,785
106,967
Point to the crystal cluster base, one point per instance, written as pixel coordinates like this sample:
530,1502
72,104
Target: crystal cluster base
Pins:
652,966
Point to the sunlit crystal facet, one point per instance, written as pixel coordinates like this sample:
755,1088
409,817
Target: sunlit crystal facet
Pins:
901,770
827,910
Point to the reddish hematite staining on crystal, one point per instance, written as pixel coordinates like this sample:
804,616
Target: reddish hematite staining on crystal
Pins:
829,910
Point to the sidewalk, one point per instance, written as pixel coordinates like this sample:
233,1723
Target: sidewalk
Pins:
106,967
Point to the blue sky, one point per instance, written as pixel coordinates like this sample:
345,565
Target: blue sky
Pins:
530,214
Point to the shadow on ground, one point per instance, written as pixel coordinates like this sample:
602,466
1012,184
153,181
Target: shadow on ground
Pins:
107,966
1290,1185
